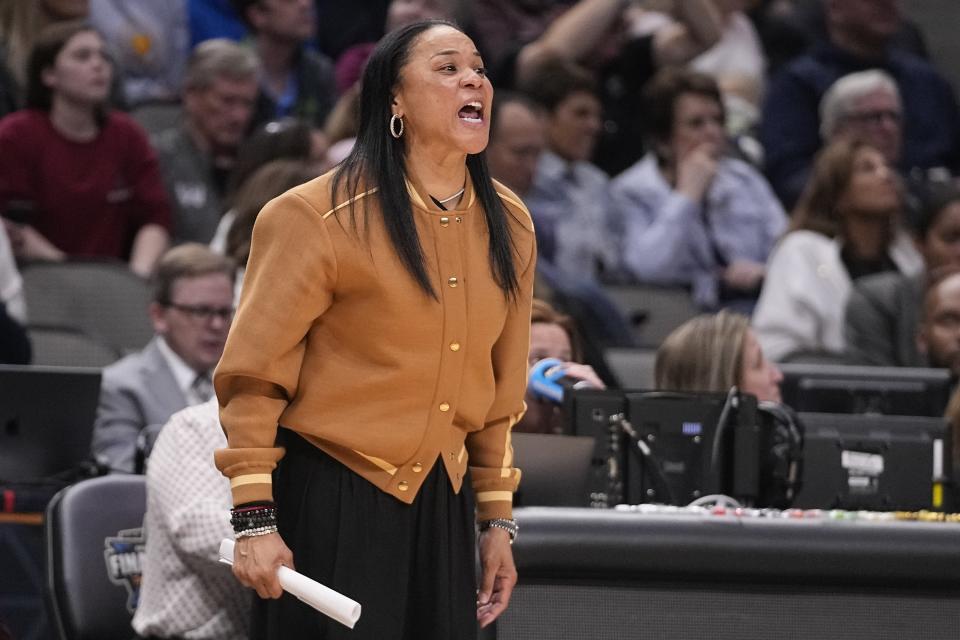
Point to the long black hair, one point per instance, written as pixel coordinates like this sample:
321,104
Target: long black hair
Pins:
378,158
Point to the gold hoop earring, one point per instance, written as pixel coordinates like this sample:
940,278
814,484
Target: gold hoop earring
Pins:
393,130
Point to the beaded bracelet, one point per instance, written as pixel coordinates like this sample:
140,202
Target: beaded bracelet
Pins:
252,518
257,531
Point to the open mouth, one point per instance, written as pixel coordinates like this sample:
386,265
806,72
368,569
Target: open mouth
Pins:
471,112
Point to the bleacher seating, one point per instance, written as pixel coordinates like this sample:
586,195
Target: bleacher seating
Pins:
654,310
101,299
69,348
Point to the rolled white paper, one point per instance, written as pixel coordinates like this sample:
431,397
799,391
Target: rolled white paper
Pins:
320,597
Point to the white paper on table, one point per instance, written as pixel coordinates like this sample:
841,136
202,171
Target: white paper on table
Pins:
320,597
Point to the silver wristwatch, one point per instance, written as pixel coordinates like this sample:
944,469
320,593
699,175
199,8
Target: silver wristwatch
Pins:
510,526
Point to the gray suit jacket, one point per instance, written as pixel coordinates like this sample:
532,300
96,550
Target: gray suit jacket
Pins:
882,317
137,392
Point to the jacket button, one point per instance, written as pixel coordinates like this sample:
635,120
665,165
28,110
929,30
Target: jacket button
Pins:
444,406
459,219
417,467
454,346
444,221
452,281
402,485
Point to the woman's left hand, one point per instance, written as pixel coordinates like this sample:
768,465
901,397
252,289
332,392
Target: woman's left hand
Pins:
499,575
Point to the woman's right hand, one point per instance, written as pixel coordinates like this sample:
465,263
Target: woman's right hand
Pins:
256,560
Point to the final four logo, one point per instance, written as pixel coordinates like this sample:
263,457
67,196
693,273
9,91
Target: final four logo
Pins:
124,557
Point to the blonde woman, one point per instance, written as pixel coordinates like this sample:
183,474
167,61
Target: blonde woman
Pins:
714,353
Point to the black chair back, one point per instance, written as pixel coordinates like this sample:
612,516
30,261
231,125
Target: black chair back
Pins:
94,545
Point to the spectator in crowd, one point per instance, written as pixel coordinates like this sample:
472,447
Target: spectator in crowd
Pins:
884,309
517,139
552,335
570,199
288,138
219,93
22,21
599,34
846,226
294,80
502,26
687,213
864,105
787,28
714,353
938,334
860,36
282,139
191,312
186,592
81,177
266,183
150,42
737,61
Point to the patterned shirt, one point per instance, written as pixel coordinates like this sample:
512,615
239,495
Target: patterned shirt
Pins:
186,592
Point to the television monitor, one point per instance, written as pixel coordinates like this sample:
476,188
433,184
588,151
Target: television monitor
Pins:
830,388
555,469
46,419
875,462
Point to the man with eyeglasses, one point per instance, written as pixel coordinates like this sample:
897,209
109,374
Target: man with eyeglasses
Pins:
860,36
866,106
191,312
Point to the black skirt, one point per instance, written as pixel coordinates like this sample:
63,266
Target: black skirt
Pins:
411,567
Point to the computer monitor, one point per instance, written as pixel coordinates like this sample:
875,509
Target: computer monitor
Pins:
828,388
680,430
46,419
555,469
875,462
594,413
754,462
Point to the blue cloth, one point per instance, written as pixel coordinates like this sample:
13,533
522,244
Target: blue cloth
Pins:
790,125
668,239
214,19
570,204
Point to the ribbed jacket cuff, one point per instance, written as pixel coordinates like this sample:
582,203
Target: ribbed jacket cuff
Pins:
250,472
493,491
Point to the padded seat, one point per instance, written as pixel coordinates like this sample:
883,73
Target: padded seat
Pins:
93,542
